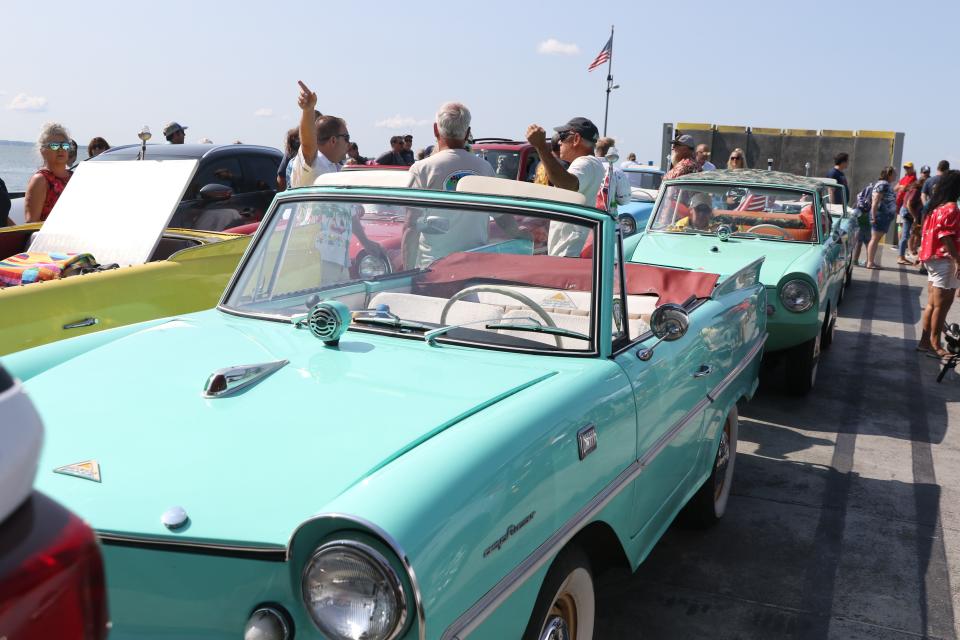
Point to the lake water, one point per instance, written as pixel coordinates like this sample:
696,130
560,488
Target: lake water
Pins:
18,161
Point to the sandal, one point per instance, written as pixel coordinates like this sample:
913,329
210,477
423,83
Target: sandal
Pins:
922,347
940,354
904,261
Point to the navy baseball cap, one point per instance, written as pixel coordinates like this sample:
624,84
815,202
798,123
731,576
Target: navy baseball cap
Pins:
583,126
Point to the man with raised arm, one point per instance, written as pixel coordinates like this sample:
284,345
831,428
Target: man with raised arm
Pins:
578,138
324,142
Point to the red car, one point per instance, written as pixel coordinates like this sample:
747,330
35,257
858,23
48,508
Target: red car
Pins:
51,572
512,159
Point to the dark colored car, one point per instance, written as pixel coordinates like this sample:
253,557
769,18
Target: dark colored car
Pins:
234,183
51,571
512,159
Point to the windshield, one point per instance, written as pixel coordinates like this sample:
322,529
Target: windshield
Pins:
748,211
502,279
644,179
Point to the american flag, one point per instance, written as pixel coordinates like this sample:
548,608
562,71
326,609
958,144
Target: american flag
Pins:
753,202
605,54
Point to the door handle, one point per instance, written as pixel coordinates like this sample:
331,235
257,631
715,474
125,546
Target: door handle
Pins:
86,322
704,370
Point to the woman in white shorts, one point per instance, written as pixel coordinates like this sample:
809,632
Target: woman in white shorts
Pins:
940,254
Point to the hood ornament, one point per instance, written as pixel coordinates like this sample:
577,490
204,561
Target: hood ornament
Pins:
88,470
724,232
230,380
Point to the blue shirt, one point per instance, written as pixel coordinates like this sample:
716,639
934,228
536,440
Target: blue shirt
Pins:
839,176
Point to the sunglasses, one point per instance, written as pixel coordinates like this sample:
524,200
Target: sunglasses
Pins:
345,136
736,157
57,146
565,135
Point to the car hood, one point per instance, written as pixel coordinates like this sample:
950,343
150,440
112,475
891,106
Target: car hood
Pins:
708,253
249,468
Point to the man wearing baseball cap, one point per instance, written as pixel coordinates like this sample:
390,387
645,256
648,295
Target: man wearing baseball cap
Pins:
909,176
700,217
578,137
174,133
682,150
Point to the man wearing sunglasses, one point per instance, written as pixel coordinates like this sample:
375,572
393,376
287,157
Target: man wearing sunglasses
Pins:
682,158
324,142
578,139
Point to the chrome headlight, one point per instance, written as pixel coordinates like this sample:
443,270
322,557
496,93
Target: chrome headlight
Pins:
797,295
352,592
372,266
628,225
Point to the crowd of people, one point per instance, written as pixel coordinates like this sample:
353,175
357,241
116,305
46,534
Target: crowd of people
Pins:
925,205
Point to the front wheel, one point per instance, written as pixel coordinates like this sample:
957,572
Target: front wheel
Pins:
709,503
566,605
802,361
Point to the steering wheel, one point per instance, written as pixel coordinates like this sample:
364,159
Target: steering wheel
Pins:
767,227
510,293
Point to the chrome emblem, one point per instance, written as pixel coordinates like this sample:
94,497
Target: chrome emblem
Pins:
88,470
586,441
723,232
174,518
230,380
511,531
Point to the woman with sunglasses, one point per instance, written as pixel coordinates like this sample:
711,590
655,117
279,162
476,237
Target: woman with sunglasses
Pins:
49,181
736,160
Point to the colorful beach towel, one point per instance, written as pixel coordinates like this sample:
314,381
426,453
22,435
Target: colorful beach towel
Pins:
28,267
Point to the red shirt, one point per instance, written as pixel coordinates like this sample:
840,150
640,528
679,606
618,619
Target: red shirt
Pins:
941,222
904,181
682,168
55,187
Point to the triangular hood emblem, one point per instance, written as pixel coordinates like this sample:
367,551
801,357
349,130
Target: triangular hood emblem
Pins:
88,470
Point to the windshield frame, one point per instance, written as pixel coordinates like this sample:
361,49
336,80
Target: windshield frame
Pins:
595,220
816,237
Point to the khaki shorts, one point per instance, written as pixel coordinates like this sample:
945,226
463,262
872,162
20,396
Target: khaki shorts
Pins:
942,273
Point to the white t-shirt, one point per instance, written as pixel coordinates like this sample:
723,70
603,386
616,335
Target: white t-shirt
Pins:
333,222
303,174
467,230
621,187
566,239
443,170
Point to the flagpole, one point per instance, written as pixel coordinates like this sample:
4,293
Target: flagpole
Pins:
606,109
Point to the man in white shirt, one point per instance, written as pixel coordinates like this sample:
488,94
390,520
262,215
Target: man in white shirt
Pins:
324,142
578,138
441,171
619,186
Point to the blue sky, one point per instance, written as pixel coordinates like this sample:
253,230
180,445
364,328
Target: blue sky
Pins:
229,70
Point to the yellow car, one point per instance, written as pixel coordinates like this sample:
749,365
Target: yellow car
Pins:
162,271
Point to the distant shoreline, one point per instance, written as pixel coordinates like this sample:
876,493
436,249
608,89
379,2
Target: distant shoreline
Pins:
15,143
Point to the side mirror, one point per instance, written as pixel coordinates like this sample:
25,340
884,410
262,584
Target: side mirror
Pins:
434,225
215,192
668,322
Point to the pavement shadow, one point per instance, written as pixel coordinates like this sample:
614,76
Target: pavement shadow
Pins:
782,568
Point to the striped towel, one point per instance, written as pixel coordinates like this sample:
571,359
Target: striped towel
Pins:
28,267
